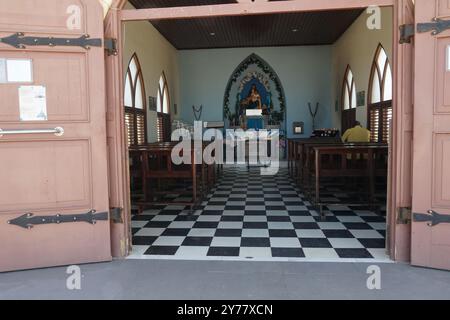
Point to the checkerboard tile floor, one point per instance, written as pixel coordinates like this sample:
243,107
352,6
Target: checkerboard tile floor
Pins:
250,216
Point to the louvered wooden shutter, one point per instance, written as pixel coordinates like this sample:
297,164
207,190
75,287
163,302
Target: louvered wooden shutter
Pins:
160,128
164,127
140,128
129,122
387,117
374,118
380,116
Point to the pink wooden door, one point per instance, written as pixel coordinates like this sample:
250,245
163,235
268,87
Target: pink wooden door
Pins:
58,180
431,160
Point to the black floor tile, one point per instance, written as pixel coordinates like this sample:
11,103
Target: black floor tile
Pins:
338,234
278,219
158,224
228,233
288,253
232,218
162,250
255,242
357,226
256,225
176,232
306,225
354,253
197,241
373,243
206,225
143,240
315,243
282,234
223,252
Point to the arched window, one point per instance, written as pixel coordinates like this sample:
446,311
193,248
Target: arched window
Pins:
380,97
135,104
348,100
163,109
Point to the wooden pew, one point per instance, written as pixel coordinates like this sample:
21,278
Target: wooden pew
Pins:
157,165
348,161
298,149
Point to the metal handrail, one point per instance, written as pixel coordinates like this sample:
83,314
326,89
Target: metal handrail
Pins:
58,131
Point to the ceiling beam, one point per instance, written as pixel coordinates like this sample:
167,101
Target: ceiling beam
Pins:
247,8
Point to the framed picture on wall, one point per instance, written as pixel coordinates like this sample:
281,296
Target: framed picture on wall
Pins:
152,104
361,98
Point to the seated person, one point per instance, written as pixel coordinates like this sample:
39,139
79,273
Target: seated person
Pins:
356,134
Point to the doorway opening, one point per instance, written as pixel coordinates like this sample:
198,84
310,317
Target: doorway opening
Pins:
309,76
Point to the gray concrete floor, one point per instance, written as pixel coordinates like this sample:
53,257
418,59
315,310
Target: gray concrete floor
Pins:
154,279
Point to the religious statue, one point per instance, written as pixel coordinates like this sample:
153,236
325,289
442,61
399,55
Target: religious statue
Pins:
253,101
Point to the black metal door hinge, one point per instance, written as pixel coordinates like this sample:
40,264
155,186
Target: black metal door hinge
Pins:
436,27
29,220
111,46
116,215
19,41
433,218
406,33
404,215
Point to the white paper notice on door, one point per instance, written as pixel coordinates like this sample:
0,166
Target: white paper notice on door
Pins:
448,58
33,103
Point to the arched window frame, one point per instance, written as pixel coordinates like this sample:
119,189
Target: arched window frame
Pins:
350,85
135,117
349,93
164,125
379,113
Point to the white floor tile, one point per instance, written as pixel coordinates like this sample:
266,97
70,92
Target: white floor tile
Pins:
181,224
202,233
138,224
350,219
278,213
169,241
331,226
192,252
247,252
226,242
378,225
345,243
150,232
281,225
231,225
310,233
302,219
255,208
366,234
164,218
255,218
209,218
320,253
138,251
379,254
255,233
285,243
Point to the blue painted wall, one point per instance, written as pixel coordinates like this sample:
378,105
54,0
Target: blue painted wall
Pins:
305,73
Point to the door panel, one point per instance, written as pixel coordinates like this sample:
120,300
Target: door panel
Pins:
444,8
48,185
119,182
42,173
40,16
67,90
431,180
400,170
